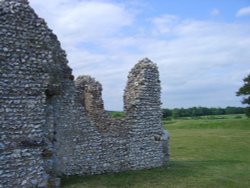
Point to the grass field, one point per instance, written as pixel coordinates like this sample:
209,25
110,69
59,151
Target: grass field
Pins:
209,152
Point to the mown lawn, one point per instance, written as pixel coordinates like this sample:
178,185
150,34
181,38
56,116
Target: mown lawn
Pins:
210,152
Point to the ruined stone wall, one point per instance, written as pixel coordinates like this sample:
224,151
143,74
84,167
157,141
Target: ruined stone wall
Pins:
31,62
52,126
135,142
143,115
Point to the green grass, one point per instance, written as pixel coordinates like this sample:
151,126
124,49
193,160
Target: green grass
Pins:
208,152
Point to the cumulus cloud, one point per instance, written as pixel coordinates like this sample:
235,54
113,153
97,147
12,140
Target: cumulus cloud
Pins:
201,62
243,12
81,21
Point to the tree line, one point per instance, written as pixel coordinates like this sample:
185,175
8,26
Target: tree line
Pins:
200,111
189,112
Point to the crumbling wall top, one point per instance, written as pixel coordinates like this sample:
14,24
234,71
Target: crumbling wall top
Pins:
143,87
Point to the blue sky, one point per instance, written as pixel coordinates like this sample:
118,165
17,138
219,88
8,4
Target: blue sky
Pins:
202,48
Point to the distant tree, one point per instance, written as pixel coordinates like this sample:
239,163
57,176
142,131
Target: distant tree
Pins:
166,113
200,111
176,113
219,111
245,91
234,110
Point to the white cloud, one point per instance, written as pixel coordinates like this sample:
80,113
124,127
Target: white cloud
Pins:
164,24
81,21
93,19
201,63
243,12
215,12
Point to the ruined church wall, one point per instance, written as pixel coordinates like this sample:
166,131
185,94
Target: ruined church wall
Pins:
24,57
143,115
47,130
137,141
82,148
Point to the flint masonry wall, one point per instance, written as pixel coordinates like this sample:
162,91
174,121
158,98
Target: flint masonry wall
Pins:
51,126
143,116
32,66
